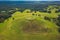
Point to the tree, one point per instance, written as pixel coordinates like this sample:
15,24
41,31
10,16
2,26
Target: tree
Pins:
52,9
27,11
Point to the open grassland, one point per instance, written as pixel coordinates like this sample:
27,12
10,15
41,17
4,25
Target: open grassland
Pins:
30,26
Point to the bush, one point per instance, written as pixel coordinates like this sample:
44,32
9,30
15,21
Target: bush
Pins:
47,18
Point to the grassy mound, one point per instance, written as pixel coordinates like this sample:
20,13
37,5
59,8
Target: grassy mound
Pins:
25,26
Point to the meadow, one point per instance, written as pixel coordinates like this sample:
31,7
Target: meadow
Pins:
33,25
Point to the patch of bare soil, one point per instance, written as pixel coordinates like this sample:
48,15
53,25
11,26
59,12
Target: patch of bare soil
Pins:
58,37
33,26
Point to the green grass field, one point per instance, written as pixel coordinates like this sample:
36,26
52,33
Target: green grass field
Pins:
29,26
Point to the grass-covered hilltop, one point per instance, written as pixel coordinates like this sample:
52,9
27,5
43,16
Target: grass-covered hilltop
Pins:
30,25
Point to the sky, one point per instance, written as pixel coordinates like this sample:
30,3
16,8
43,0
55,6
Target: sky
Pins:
29,0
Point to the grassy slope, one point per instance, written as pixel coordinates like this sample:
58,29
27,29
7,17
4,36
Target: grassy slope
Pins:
11,28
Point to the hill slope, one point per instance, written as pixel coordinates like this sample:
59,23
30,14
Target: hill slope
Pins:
26,26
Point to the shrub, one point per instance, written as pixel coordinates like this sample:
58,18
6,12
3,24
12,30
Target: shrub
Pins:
47,18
